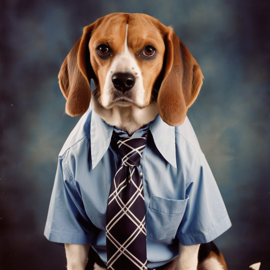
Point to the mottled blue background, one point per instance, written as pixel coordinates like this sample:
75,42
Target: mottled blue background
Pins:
230,39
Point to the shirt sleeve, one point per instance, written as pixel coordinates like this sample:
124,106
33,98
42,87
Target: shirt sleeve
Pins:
67,221
205,216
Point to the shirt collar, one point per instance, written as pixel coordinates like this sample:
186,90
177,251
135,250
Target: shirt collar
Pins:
164,138
101,133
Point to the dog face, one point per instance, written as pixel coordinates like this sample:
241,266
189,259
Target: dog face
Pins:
135,62
127,57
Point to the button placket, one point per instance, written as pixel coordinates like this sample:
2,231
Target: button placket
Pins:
140,171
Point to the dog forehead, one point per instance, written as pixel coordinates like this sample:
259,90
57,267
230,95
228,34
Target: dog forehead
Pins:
112,29
141,28
138,20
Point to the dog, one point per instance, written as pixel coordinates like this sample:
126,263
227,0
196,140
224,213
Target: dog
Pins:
141,70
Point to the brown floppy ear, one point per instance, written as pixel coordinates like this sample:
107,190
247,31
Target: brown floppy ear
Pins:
181,83
75,75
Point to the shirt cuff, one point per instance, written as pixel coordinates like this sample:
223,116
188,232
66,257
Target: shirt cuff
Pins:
65,237
204,237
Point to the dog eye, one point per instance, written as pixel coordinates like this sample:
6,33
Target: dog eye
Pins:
149,51
103,50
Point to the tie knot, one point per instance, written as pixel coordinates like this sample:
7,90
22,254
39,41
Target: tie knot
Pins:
131,150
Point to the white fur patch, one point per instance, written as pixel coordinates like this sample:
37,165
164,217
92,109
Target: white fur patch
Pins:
126,39
212,264
129,119
188,259
255,266
124,63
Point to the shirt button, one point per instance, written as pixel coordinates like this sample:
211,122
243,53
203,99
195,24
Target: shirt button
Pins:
140,166
141,174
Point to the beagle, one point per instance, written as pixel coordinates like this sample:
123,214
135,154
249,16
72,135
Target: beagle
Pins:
140,69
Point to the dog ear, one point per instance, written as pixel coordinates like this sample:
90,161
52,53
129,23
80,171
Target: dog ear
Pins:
75,75
181,83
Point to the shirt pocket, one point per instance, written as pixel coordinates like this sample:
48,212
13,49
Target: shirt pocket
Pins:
164,217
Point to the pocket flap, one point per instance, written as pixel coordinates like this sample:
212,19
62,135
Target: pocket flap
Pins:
168,206
164,217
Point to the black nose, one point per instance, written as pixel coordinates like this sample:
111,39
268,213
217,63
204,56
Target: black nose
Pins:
123,81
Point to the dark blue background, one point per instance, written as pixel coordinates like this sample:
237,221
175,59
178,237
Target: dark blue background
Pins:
230,39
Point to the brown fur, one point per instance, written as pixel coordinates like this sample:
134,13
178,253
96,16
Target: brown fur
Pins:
212,255
182,77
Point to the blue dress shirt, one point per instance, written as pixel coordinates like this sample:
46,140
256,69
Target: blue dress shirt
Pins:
182,199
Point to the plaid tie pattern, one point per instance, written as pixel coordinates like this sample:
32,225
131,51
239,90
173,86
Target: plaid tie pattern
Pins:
125,229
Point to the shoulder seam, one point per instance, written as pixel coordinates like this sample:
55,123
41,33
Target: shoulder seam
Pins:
60,156
193,147
200,155
65,165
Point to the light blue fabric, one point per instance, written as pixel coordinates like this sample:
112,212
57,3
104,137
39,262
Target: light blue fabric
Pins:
182,199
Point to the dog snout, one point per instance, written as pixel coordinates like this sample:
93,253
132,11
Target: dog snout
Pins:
123,81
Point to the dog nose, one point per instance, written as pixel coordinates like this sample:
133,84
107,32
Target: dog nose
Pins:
123,81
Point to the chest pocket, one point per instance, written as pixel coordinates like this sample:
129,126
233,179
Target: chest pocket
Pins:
164,217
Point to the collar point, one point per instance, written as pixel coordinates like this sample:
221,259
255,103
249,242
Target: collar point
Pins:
174,165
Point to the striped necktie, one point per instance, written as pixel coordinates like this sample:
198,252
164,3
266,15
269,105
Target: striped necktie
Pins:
125,228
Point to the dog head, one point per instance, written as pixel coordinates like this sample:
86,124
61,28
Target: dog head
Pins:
135,61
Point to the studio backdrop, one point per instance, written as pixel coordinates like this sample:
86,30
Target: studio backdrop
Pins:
229,39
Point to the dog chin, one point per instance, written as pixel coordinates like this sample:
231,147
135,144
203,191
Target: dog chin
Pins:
126,115
123,103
